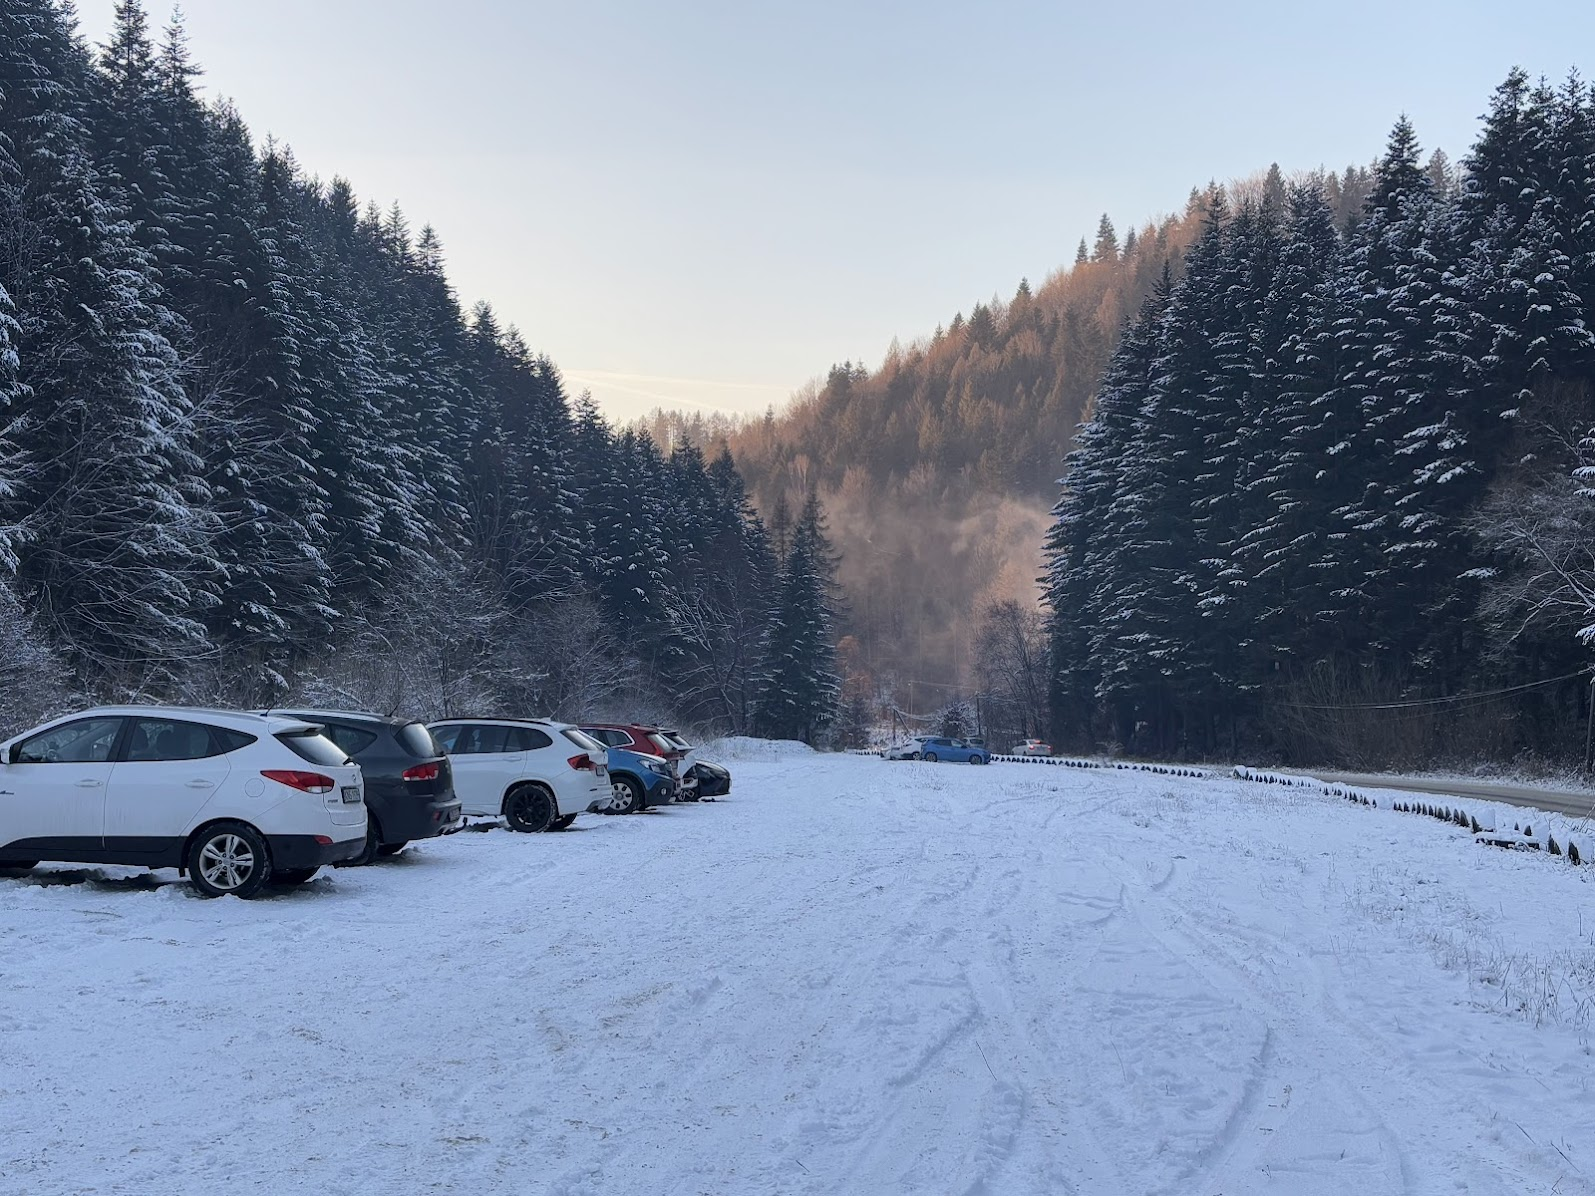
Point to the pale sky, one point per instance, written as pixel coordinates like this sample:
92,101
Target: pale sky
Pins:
707,204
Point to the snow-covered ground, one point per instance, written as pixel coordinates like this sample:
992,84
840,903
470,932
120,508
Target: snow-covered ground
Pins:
853,977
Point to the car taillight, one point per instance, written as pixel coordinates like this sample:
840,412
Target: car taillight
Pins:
305,782
581,761
422,772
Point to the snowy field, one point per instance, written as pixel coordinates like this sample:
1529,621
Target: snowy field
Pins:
853,977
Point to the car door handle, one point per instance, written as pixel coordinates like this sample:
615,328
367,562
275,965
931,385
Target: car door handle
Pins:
202,784
89,783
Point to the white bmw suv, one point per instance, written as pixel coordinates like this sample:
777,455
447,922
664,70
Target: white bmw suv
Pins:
535,773
237,800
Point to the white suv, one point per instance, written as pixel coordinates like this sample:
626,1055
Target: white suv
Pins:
235,799
536,773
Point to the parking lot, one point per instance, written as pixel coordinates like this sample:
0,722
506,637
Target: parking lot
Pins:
855,976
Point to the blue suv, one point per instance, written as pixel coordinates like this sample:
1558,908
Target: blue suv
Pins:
640,781
955,751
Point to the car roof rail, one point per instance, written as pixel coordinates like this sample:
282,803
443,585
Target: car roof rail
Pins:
491,718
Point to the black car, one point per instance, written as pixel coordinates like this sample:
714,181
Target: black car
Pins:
712,779
409,785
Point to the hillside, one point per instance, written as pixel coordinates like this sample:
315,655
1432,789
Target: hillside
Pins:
938,468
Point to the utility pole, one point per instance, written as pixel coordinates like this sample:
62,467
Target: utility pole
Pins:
1589,726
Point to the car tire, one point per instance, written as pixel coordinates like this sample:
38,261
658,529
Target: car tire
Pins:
977,760
293,876
229,859
368,853
388,850
628,797
530,809
929,758
562,823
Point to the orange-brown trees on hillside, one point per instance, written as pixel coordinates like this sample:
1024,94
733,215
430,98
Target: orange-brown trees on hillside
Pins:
939,466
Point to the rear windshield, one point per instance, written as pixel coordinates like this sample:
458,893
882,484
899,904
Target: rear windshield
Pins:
583,740
418,741
663,744
674,739
313,746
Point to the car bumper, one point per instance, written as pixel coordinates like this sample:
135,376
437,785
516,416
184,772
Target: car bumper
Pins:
661,793
421,820
307,851
596,801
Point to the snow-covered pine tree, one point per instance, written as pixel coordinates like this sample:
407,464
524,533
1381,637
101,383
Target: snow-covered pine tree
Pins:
114,555
799,685
1078,546
1293,483
719,617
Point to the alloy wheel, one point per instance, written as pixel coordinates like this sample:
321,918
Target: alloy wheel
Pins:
226,861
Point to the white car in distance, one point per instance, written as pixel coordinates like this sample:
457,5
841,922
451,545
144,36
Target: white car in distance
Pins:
534,773
911,750
236,800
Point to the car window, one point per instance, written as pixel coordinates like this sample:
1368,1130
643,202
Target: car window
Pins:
228,740
446,737
525,739
417,740
171,739
583,740
87,741
353,740
662,745
607,737
480,739
314,747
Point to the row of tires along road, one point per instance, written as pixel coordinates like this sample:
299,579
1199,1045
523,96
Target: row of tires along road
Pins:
1520,838
240,800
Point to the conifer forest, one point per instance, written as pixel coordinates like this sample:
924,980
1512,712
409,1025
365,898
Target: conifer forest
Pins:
1324,444
1300,472
251,448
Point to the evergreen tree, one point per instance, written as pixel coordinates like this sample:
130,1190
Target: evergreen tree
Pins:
1107,243
114,552
799,685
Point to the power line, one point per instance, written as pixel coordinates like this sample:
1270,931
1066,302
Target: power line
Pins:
1475,698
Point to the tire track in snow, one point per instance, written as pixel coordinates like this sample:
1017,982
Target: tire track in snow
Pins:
1314,1042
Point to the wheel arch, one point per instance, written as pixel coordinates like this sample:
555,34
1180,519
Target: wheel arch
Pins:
529,783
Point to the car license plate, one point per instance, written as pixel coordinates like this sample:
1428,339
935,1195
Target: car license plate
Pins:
600,771
351,793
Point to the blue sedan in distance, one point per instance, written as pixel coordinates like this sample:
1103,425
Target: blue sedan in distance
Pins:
955,751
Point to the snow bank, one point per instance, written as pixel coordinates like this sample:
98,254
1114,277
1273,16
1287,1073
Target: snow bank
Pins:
748,749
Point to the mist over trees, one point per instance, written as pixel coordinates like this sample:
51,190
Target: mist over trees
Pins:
251,446
939,467
1336,475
